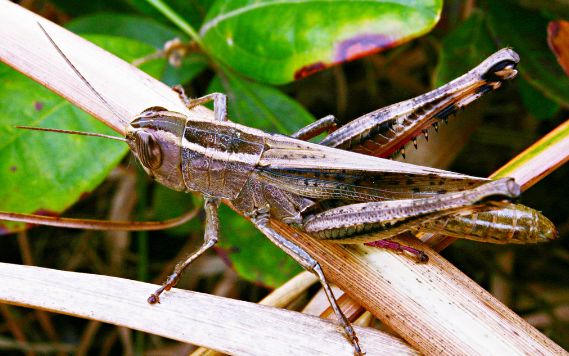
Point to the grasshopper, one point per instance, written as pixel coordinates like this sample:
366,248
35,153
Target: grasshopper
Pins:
331,193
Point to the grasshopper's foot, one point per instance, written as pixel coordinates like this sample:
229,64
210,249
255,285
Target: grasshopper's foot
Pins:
181,94
260,218
354,340
392,245
153,299
170,282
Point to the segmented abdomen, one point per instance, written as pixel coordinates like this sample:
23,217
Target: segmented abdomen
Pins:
514,223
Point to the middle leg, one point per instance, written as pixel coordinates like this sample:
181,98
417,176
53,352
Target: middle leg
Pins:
327,123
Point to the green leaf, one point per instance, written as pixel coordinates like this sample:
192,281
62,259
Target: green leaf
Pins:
280,41
74,8
538,105
129,50
251,254
45,172
261,106
168,203
192,65
146,31
463,49
193,11
558,8
138,28
526,32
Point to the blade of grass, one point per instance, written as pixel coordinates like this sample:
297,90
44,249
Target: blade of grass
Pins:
227,325
540,159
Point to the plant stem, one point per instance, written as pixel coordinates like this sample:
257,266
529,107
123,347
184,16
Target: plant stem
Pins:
177,20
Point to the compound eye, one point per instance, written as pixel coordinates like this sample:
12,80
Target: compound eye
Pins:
148,150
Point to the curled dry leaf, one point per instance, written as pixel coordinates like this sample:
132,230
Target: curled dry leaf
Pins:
558,40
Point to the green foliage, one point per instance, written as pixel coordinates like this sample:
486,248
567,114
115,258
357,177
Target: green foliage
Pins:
536,102
251,254
142,29
250,101
279,41
145,30
192,11
37,170
463,48
525,31
475,38
167,203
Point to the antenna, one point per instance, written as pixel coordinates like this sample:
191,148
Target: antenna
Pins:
72,132
97,94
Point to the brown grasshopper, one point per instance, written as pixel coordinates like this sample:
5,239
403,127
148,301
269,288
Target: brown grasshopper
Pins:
330,193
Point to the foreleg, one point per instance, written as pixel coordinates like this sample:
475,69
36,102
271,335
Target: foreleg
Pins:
219,102
210,239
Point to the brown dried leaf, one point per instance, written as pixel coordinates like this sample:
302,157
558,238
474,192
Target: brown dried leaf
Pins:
558,40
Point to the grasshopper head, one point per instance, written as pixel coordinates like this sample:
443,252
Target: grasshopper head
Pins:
155,138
